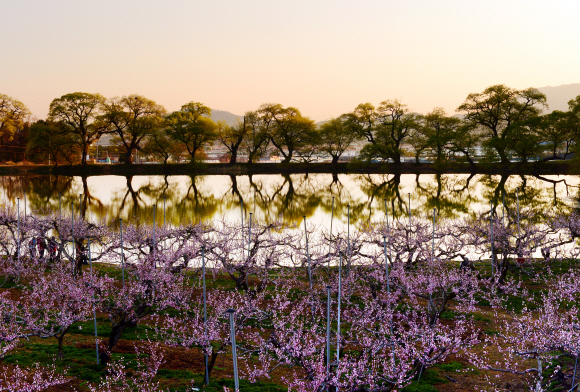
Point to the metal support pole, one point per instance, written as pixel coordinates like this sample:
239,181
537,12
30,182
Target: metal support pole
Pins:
574,376
242,231
249,235
339,302
94,310
19,236
234,354
72,230
518,208
386,213
154,224
503,208
387,278
409,208
307,254
249,249
348,230
433,239
330,240
328,288
491,235
122,253
204,312
386,264
432,258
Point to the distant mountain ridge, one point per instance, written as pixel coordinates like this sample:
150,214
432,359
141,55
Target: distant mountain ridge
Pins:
227,117
558,96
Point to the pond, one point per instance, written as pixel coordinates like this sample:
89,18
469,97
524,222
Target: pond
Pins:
360,197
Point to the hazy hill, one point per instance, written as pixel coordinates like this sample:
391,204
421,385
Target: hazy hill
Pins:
222,115
558,96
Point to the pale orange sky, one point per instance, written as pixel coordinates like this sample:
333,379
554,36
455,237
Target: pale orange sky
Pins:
324,57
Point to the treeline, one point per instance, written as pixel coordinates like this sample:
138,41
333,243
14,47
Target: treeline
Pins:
500,124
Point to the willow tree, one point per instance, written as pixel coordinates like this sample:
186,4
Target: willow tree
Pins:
132,119
193,127
392,126
259,126
77,115
232,137
439,130
336,137
499,112
291,132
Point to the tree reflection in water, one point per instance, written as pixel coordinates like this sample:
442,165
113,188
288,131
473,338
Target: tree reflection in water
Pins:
197,198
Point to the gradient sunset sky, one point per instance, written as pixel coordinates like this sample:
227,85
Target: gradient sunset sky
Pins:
324,57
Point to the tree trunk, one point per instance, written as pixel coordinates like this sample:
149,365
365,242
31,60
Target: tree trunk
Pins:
502,155
84,156
60,339
128,156
116,332
211,362
288,157
335,159
397,158
234,156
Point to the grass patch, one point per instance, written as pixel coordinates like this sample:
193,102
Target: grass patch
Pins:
426,383
246,386
452,366
139,332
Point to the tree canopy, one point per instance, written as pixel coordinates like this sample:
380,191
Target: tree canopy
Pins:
13,114
132,119
78,116
500,112
192,126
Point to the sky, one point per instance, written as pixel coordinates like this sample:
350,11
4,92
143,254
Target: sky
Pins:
323,57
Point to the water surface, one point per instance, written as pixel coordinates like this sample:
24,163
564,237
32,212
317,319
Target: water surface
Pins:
289,196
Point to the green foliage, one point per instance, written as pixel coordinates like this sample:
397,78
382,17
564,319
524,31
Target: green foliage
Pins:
76,114
502,115
13,113
336,136
290,132
193,127
49,141
132,119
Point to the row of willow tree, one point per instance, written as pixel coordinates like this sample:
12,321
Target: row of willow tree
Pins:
499,124
361,310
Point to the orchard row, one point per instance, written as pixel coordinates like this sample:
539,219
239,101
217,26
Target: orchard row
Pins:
356,309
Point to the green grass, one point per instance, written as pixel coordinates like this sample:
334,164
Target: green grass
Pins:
7,282
246,386
448,315
479,317
452,366
138,332
81,362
